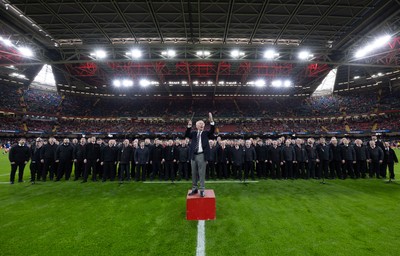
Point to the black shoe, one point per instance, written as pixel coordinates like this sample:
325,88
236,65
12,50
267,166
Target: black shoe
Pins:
202,193
194,192
32,182
11,182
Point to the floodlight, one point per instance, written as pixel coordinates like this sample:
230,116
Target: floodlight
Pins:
135,53
287,83
260,83
144,82
127,83
117,83
100,54
236,53
270,54
304,55
25,51
277,83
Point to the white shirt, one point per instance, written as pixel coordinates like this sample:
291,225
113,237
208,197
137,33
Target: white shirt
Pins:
200,146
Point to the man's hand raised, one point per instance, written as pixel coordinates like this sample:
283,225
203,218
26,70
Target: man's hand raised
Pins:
210,117
190,123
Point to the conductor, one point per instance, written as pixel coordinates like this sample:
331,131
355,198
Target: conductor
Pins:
199,152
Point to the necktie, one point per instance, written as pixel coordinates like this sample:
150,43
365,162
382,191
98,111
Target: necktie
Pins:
196,148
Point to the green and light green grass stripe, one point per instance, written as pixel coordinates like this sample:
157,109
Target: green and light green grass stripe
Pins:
301,217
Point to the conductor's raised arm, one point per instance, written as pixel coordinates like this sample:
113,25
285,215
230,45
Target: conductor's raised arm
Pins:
188,129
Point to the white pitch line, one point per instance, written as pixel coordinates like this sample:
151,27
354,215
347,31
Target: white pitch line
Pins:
7,174
201,239
211,181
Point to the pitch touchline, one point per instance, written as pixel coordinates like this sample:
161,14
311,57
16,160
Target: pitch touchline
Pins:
201,239
213,181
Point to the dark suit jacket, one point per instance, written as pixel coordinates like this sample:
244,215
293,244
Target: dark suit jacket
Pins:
205,136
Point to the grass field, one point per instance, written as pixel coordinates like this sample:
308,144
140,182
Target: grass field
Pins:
302,217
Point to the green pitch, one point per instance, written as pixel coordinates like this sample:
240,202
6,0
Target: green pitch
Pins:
302,217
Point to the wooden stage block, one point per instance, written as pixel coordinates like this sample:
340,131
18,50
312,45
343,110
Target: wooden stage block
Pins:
201,208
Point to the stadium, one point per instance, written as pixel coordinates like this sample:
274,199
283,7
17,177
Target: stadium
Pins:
97,100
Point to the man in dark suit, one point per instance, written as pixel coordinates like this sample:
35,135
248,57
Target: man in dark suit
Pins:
288,157
47,158
375,159
210,172
389,159
169,160
108,158
141,157
91,157
348,159
156,155
237,158
183,160
261,152
79,151
361,155
36,165
274,157
250,158
223,160
64,157
199,152
323,158
19,155
124,158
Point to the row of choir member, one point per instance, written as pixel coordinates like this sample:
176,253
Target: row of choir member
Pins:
239,159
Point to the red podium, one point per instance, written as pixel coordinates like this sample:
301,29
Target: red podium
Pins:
201,208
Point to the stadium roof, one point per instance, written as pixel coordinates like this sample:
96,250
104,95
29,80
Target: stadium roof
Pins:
214,47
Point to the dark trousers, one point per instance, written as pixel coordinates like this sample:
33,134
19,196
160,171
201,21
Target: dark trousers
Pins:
323,169
261,169
156,169
36,171
276,170
348,169
49,167
382,170
390,166
140,168
183,170
90,166
169,170
300,170
237,171
21,167
336,169
311,169
222,170
361,168
64,167
374,169
108,171
289,169
124,172
79,169
210,171
248,169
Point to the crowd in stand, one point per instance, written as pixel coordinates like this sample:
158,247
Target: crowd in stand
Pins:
283,158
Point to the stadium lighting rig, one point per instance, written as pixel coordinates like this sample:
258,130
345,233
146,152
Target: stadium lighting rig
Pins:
144,82
281,83
169,53
236,54
25,51
305,55
135,53
99,54
122,83
270,54
203,53
376,44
